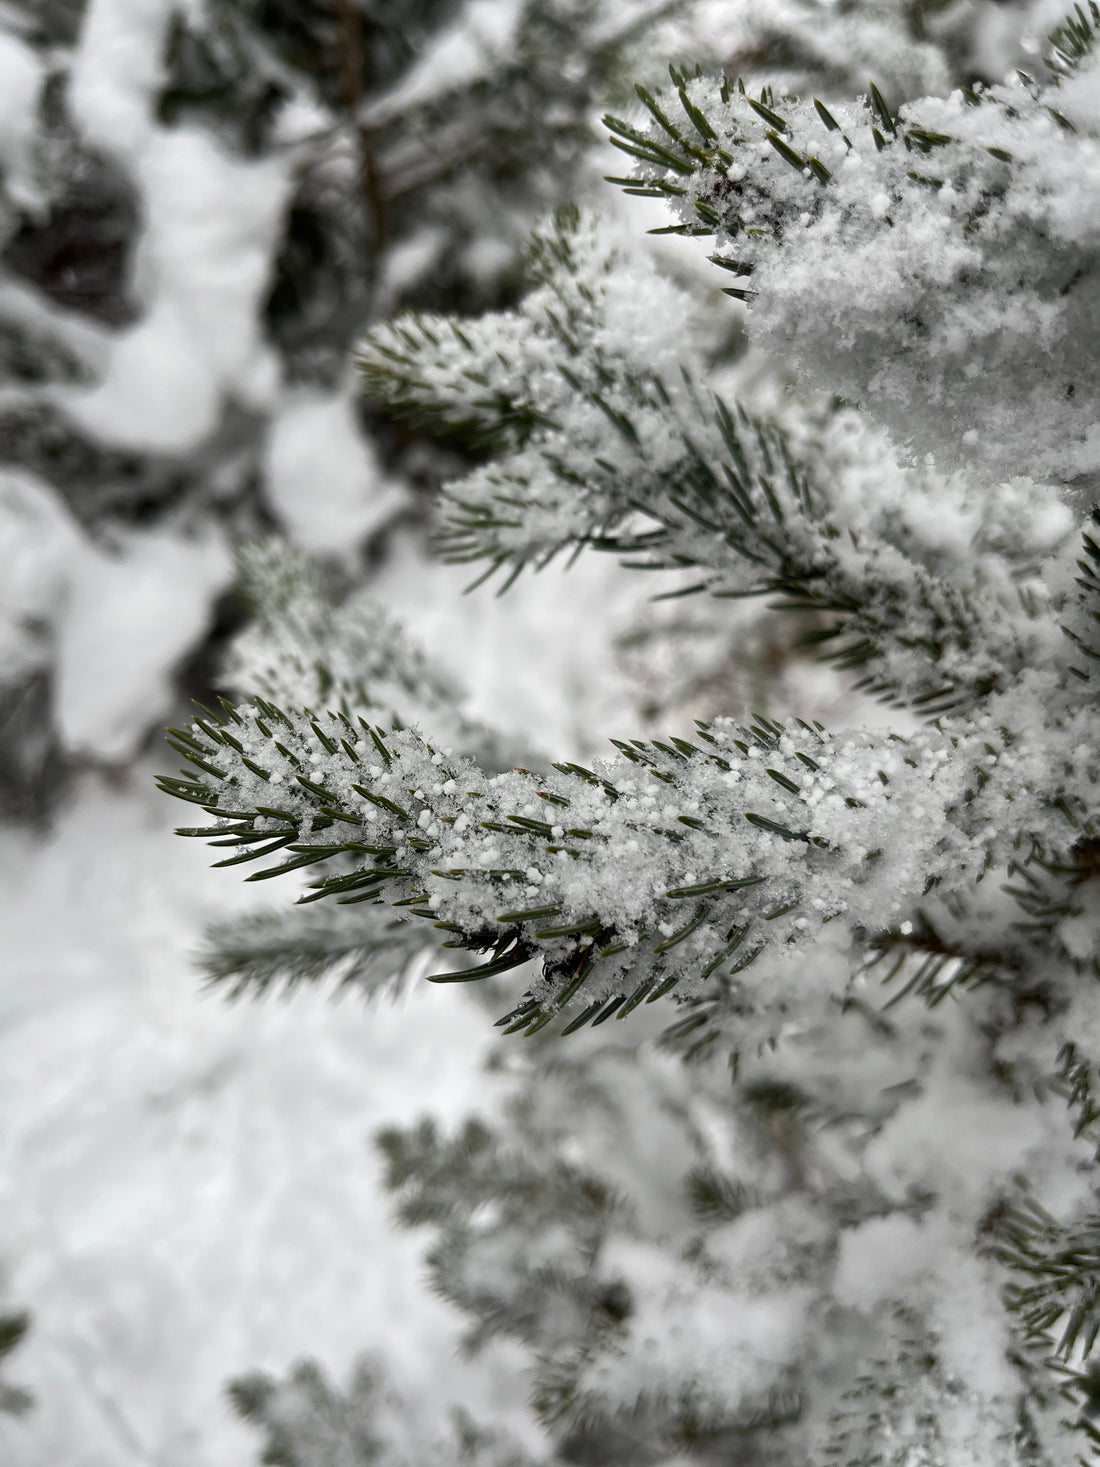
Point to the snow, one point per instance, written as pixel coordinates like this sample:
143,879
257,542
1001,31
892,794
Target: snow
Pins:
321,478
39,542
129,618
530,659
408,261
879,241
718,1350
187,1186
113,622
21,75
466,50
211,224
116,70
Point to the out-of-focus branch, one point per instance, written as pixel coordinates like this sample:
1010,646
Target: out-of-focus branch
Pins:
350,62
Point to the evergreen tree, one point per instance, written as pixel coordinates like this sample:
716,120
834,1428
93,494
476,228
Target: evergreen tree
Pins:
880,1243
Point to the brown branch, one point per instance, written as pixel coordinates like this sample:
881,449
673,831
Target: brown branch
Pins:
350,62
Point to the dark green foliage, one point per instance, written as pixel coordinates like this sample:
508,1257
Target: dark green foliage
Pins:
29,756
280,950
1071,41
1082,629
308,1422
1056,1290
13,1327
277,949
75,243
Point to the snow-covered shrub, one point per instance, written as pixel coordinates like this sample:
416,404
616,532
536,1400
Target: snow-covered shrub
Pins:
861,1225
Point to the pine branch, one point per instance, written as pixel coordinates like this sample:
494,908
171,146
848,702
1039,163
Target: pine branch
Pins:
1078,1079
1074,39
373,952
1057,1266
308,1422
649,874
793,191
618,449
1082,625
307,648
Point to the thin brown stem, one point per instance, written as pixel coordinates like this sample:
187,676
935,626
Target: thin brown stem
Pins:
350,62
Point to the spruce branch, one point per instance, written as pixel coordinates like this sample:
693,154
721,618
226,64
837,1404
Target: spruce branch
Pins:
307,1421
1056,1290
918,960
650,873
1078,1080
1082,624
1073,39
1052,891
793,191
905,1406
479,1186
263,951
307,647
605,439
304,646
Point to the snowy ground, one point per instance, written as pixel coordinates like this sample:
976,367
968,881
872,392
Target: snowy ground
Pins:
188,1186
